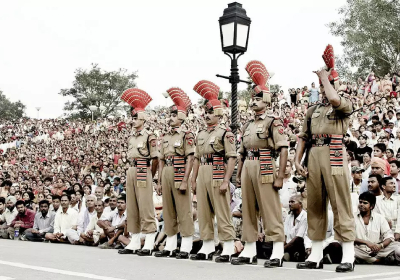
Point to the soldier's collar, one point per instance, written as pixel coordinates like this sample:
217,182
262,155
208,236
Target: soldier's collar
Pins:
138,132
262,115
175,130
212,127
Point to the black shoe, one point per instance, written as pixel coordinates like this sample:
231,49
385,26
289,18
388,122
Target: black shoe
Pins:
223,259
391,259
243,260
126,251
182,256
202,257
162,254
144,252
310,265
174,253
345,267
273,263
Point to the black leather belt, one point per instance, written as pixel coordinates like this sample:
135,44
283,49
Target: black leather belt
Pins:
252,154
206,159
321,140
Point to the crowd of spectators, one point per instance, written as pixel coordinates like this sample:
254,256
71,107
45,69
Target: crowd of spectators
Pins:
64,180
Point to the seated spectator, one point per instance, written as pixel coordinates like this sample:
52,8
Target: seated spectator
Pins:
388,205
374,239
64,220
2,205
355,183
24,220
111,209
295,230
5,188
99,193
93,233
118,188
114,225
394,173
84,218
374,184
43,223
56,202
8,216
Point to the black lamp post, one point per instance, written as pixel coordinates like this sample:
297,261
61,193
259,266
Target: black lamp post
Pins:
235,28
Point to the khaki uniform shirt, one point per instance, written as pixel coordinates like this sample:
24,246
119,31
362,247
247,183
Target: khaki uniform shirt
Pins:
327,119
256,135
142,144
177,143
211,142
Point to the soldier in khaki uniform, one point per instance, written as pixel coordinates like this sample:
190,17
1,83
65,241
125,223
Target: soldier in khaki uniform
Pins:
142,152
327,173
256,172
176,161
214,163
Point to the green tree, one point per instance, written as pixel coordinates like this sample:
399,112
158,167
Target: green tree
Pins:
10,110
370,32
100,88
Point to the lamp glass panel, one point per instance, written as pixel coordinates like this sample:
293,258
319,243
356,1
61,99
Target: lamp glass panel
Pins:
242,31
228,31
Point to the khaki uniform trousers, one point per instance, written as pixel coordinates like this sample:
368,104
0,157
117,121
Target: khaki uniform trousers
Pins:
260,200
211,203
177,207
140,207
321,186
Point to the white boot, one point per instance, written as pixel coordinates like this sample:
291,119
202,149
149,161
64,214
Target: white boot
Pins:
249,251
317,251
229,248
187,244
207,248
172,243
135,242
149,241
348,252
277,250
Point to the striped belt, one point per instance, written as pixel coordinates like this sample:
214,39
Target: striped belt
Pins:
217,163
140,161
178,162
173,160
335,150
265,158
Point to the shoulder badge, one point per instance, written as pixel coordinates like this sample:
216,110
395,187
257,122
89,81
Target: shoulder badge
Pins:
230,137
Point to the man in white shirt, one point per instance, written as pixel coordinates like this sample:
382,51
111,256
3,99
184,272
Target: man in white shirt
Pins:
289,187
84,218
394,173
114,225
295,230
93,234
65,219
8,216
374,238
111,209
388,205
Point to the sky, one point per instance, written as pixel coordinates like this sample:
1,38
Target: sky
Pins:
173,43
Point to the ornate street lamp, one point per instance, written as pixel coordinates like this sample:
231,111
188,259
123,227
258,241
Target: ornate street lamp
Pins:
235,29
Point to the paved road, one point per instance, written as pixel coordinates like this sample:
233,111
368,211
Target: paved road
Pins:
34,261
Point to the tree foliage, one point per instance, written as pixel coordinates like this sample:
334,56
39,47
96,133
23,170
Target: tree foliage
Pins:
97,87
10,110
370,32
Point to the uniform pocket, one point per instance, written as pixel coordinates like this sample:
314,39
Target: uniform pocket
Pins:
200,142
